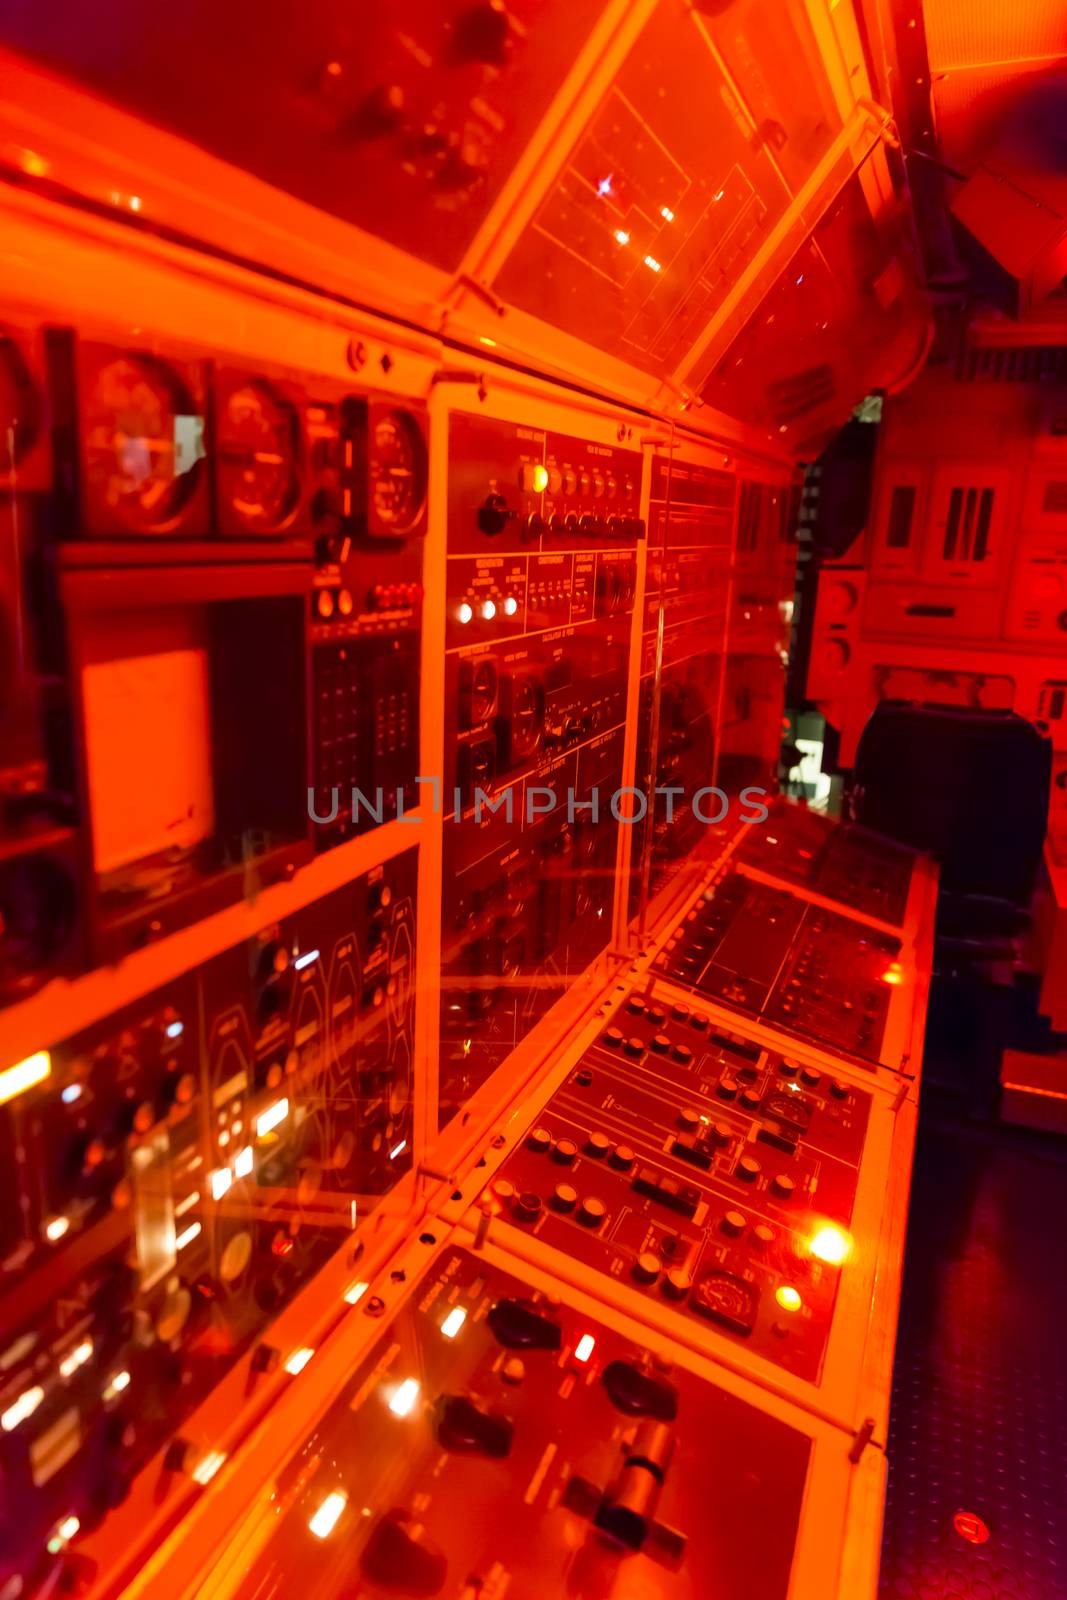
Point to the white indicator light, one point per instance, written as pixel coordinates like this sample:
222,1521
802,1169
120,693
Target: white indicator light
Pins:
272,1117
206,1468
453,1322
324,1521
68,1528
174,1030
488,610
119,1382
305,960
242,1165
666,213
398,1149
354,1294
298,1360
15,1080
652,264
187,1235
621,236
831,1245
404,1397
511,605
55,1228
464,612
72,1092
221,1179
24,1407
584,1348
77,1358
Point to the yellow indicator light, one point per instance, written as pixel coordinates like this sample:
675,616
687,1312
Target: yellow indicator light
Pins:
24,1407
788,1299
540,478
298,1360
831,1245
404,1397
325,1519
893,974
16,1080
453,1322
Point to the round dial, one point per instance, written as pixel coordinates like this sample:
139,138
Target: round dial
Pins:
20,406
397,472
143,443
258,476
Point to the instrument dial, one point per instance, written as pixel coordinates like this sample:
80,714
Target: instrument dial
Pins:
259,480
397,472
144,441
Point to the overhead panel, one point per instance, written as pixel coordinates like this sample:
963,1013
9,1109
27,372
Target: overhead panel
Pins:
677,180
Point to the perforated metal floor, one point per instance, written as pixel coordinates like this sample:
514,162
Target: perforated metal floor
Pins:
979,1418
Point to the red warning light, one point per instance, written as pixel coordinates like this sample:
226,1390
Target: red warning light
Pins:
970,1527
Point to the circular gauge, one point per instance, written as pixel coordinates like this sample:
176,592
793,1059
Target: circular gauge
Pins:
397,472
257,458
143,443
20,406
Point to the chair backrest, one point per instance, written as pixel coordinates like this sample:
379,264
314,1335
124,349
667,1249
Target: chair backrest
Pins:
970,786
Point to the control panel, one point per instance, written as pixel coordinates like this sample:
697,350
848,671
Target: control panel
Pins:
173,1175
763,952
714,1176
850,865
540,586
496,1440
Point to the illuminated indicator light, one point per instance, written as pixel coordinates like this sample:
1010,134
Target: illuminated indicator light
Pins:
621,236
540,478
511,605
404,1397
354,1294
119,1382
488,610
187,1236
55,1228
207,1467
135,202
398,1149
221,1179
718,197
893,974
453,1322
831,1245
484,338
68,1528
666,213
72,1092
788,1298
15,1080
299,1360
800,280
604,186
190,1200
305,960
584,1348
270,1119
465,612
325,1519
243,1161
652,264
174,1030
24,1407
77,1358
971,1527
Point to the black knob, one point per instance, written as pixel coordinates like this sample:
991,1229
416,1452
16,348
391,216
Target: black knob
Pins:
494,514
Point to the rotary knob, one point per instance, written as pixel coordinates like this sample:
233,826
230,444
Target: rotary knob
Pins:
733,1223
493,514
592,1212
597,1145
748,1169
783,1186
660,1043
622,1157
564,1197
750,1098
726,1088
612,1037
677,1283
838,1089
539,1140
527,1207
565,1152
689,1119
762,1235
646,1267
810,1076
634,1046
682,1052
